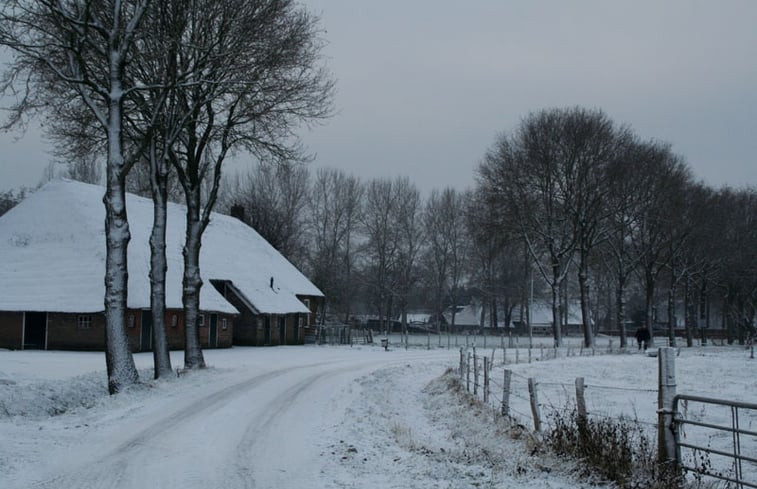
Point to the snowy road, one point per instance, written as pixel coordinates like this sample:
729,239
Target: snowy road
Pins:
261,418
251,427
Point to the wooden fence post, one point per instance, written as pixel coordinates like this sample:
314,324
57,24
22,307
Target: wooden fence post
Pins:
461,363
666,393
475,373
486,379
534,404
580,399
506,393
467,374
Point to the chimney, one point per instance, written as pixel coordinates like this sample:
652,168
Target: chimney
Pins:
237,210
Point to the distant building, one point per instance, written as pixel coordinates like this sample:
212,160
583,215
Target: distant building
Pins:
541,319
52,264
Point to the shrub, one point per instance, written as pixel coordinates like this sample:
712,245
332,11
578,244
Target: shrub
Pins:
613,449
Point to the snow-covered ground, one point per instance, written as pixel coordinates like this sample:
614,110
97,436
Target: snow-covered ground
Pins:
625,385
315,416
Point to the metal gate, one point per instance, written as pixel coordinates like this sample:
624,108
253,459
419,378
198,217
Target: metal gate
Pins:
735,440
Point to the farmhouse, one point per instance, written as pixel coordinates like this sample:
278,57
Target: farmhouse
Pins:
52,265
541,319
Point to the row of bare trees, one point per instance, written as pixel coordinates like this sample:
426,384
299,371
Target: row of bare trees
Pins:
378,246
569,201
367,245
172,86
589,197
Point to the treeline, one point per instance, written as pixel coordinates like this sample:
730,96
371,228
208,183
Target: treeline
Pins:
568,208
569,202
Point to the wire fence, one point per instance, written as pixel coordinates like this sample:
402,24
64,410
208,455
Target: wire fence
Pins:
529,401
344,334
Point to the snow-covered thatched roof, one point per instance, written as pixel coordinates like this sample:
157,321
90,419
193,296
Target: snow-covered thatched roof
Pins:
541,312
52,257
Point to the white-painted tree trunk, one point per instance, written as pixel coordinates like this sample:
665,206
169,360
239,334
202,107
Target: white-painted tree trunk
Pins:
120,364
193,357
158,268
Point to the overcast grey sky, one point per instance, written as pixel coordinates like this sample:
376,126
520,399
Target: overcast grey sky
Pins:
424,86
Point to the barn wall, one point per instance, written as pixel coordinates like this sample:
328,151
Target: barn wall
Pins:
224,335
11,329
65,333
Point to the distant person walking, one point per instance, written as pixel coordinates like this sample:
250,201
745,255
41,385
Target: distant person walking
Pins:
642,337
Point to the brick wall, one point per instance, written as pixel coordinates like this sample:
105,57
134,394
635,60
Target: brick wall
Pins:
11,329
224,336
66,332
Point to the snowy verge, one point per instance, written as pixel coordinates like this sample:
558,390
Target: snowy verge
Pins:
408,428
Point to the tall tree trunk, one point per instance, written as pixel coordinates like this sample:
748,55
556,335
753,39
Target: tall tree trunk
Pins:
158,267
193,357
672,319
649,308
689,314
583,279
725,318
556,326
620,310
118,358
703,312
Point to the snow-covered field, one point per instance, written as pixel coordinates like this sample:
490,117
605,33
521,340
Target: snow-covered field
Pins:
313,416
625,385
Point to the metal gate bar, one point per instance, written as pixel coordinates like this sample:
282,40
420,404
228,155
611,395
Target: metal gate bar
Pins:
734,429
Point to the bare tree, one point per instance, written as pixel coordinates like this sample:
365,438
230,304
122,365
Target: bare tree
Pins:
523,179
622,203
274,198
446,248
410,238
380,246
150,126
655,236
79,51
591,143
497,261
87,169
737,245
257,76
335,211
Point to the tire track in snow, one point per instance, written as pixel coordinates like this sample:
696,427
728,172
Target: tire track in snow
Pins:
129,464
258,433
110,470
